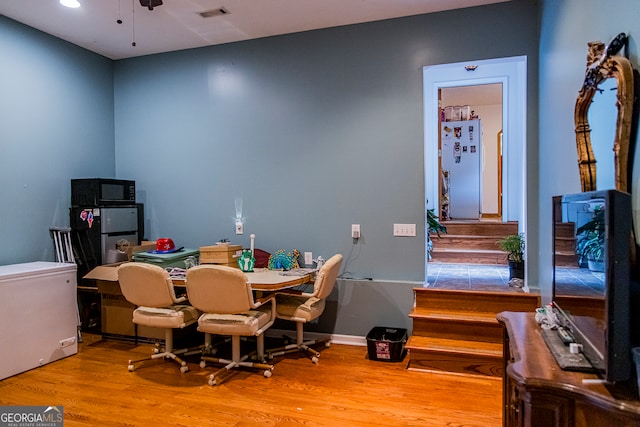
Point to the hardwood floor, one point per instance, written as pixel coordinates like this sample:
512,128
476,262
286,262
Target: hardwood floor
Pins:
345,388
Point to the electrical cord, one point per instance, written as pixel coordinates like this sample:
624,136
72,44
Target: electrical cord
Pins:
353,255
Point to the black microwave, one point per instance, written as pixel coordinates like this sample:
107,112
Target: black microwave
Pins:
102,192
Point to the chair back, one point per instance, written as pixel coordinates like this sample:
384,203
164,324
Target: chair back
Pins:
326,277
219,289
146,285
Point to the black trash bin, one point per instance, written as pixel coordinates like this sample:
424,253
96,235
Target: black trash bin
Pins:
386,344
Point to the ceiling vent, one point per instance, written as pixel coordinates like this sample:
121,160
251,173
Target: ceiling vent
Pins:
214,12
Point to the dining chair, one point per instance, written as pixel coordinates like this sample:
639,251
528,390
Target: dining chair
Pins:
150,288
225,297
303,307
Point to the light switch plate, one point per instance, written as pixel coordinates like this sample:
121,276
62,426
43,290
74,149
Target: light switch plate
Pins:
404,230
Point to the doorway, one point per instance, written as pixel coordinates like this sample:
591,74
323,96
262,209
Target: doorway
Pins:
463,108
510,73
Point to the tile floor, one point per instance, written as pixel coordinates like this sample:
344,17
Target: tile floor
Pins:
495,278
476,277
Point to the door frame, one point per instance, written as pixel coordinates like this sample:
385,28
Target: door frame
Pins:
511,72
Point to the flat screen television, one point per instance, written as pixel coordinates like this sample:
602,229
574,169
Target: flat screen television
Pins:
592,277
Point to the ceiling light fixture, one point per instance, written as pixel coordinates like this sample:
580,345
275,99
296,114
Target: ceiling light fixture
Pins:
150,4
70,3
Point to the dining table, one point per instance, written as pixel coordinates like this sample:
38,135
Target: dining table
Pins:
265,280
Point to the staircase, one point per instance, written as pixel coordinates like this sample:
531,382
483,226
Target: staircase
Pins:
565,244
457,332
472,242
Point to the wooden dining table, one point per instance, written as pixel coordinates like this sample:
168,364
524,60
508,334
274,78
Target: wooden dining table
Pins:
263,279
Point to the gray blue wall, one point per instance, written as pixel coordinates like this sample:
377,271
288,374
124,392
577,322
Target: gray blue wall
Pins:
314,131
56,122
566,28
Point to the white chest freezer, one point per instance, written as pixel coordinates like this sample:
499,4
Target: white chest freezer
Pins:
38,315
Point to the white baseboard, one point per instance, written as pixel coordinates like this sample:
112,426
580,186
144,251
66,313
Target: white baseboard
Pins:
335,338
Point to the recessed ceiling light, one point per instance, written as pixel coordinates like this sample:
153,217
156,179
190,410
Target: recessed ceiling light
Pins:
70,3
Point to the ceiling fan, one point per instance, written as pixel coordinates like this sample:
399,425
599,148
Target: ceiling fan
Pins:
150,3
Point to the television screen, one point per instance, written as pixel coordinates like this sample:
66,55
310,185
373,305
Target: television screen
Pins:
591,244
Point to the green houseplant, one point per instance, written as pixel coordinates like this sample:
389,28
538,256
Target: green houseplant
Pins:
513,245
433,224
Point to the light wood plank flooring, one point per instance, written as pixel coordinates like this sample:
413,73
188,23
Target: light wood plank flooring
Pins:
344,389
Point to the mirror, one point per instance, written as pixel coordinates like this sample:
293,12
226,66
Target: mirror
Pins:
603,63
603,114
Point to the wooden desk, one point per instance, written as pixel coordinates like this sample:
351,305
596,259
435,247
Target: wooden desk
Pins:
268,280
536,392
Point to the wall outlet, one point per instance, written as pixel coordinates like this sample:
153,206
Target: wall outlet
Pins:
308,258
355,231
239,227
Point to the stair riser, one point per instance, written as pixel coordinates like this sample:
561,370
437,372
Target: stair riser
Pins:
467,301
467,257
565,230
563,245
566,260
437,328
467,242
481,228
452,363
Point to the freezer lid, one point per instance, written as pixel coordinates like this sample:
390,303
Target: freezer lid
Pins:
27,269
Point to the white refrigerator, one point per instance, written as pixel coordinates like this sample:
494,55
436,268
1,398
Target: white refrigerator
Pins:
38,315
461,165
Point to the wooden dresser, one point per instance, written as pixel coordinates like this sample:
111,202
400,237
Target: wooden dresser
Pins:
537,393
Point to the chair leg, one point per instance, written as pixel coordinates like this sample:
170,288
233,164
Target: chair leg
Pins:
168,353
300,345
236,360
209,347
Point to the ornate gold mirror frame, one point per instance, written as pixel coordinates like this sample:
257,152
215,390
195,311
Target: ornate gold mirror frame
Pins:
603,62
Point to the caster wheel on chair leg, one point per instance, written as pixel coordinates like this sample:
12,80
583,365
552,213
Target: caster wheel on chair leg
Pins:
203,364
212,380
315,360
184,369
268,373
131,368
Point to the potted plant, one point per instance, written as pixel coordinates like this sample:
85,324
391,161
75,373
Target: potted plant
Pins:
590,245
513,245
433,224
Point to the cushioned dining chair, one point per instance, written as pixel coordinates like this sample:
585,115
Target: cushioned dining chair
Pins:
150,288
303,307
225,297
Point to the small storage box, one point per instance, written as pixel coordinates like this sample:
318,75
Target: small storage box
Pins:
220,254
386,344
